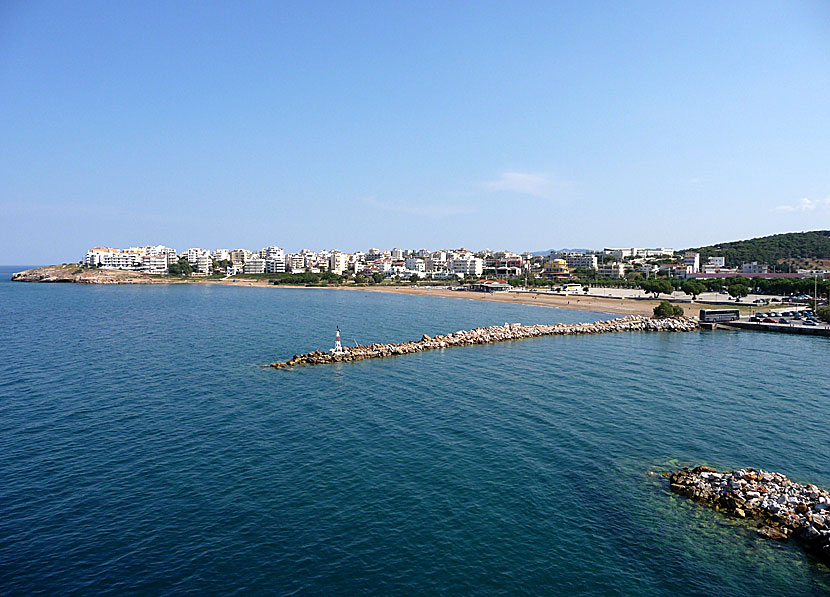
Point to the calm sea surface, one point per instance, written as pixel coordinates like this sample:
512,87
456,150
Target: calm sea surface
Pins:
145,449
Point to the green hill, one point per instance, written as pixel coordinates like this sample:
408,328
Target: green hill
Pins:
797,248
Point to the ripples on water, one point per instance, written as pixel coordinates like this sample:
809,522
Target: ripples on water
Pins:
144,448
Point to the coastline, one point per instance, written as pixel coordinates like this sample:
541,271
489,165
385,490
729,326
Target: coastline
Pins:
71,273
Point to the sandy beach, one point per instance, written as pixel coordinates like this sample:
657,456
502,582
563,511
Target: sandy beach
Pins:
580,303
601,304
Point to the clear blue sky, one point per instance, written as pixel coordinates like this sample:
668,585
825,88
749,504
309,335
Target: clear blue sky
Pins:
350,125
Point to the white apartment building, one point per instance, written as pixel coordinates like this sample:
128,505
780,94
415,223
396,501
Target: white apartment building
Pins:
397,254
661,252
579,260
172,256
255,265
692,262
716,261
295,263
221,255
272,252
611,270
107,258
470,266
338,262
154,263
415,264
626,253
199,260
275,266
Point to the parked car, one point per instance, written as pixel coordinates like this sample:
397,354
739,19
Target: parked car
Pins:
808,322
783,320
769,320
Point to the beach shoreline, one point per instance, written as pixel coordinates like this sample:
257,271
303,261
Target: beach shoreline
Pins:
600,304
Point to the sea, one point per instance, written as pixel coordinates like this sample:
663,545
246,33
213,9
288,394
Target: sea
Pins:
146,448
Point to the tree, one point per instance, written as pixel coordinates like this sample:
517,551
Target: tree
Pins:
378,277
657,287
692,288
414,278
666,309
187,269
738,291
714,284
823,313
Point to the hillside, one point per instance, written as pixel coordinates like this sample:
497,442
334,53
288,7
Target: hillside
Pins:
799,249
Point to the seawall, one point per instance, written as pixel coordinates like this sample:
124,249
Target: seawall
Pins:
488,335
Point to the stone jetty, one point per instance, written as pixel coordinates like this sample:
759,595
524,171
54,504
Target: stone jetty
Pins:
783,509
511,331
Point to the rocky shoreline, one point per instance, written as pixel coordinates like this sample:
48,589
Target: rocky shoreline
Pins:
73,273
783,509
487,335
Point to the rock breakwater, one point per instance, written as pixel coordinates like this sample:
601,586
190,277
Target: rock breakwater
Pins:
487,335
783,508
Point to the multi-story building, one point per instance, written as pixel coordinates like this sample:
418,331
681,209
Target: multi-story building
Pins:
154,263
108,258
221,255
338,262
415,264
199,260
466,265
611,270
274,266
240,255
754,268
255,265
556,268
692,262
272,252
295,263
633,252
575,260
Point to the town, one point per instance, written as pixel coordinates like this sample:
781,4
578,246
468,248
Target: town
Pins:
611,264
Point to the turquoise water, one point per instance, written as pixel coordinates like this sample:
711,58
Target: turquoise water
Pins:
144,448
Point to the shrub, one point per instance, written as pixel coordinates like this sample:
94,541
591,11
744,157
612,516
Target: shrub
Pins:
666,309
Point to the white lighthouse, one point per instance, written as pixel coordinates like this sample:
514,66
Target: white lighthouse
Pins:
337,346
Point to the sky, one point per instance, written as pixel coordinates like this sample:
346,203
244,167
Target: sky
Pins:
349,125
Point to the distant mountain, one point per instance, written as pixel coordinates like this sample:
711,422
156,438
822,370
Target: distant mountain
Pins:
549,251
793,247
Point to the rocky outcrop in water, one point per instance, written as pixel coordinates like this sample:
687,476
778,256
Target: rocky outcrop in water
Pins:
513,331
75,274
782,508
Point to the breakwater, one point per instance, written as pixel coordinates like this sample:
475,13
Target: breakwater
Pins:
487,335
784,509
